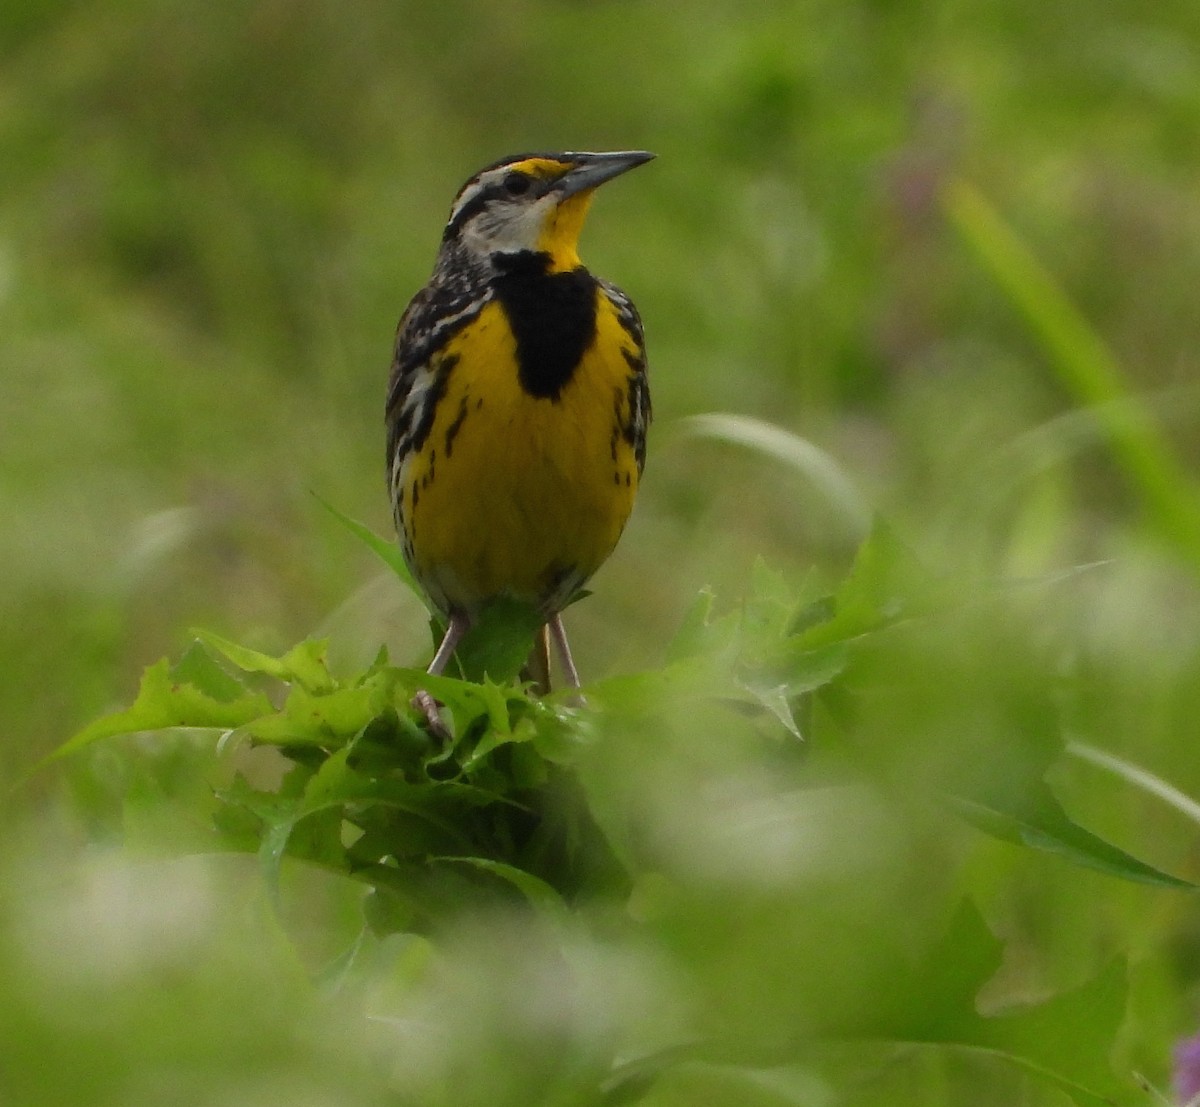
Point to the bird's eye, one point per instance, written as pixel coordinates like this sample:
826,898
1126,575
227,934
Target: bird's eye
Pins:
517,184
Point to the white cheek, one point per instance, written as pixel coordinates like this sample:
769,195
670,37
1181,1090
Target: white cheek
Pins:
509,229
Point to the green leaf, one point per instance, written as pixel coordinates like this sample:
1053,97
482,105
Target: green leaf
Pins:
465,701
962,962
303,664
771,605
688,681
327,719
701,633
199,668
499,642
386,550
163,702
1066,1040
686,1081
500,731
537,892
629,1081
309,825
777,663
776,701
797,668
322,794
886,584
1036,819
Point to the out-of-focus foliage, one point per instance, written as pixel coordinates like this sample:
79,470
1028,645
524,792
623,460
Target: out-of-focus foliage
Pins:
495,818
213,216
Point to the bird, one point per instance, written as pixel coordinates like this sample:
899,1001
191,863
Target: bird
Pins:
517,405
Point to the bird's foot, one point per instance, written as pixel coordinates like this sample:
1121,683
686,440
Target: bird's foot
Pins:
430,709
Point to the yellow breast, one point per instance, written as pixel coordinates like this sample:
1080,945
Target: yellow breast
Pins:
512,494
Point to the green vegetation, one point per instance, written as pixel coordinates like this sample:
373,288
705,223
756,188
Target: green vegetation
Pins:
885,790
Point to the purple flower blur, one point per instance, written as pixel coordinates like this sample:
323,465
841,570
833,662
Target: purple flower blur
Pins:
1186,1078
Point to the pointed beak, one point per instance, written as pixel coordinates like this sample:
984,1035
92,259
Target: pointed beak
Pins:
590,170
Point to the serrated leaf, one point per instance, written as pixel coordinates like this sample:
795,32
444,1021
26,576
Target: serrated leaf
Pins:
771,604
500,730
306,663
163,703
321,794
1036,819
465,703
332,790
702,633
774,699
303,664
689,638
199,668
387,551
886,583
328,719
800,669
820,610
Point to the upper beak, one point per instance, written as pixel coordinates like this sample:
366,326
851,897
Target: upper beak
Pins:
591,170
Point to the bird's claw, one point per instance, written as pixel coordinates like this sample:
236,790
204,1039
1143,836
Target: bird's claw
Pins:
429,708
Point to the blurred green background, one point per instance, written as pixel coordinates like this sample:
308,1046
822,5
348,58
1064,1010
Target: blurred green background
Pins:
213,215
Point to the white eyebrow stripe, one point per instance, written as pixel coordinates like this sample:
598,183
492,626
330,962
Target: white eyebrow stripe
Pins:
469,191
473,188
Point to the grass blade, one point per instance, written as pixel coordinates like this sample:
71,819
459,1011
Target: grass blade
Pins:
1138,777
1086,366
817,466
387,551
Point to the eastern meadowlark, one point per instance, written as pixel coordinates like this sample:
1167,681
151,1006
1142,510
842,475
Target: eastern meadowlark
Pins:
518,403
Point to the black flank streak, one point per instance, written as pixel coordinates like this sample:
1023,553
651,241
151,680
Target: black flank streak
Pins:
398,427
553,318
429,408
629,428
453,429
618,423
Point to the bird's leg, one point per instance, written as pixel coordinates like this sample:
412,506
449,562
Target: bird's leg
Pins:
537,667
570,673
423,701
459,625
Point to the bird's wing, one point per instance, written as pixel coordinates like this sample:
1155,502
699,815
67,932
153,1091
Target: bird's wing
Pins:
640,412
433,317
